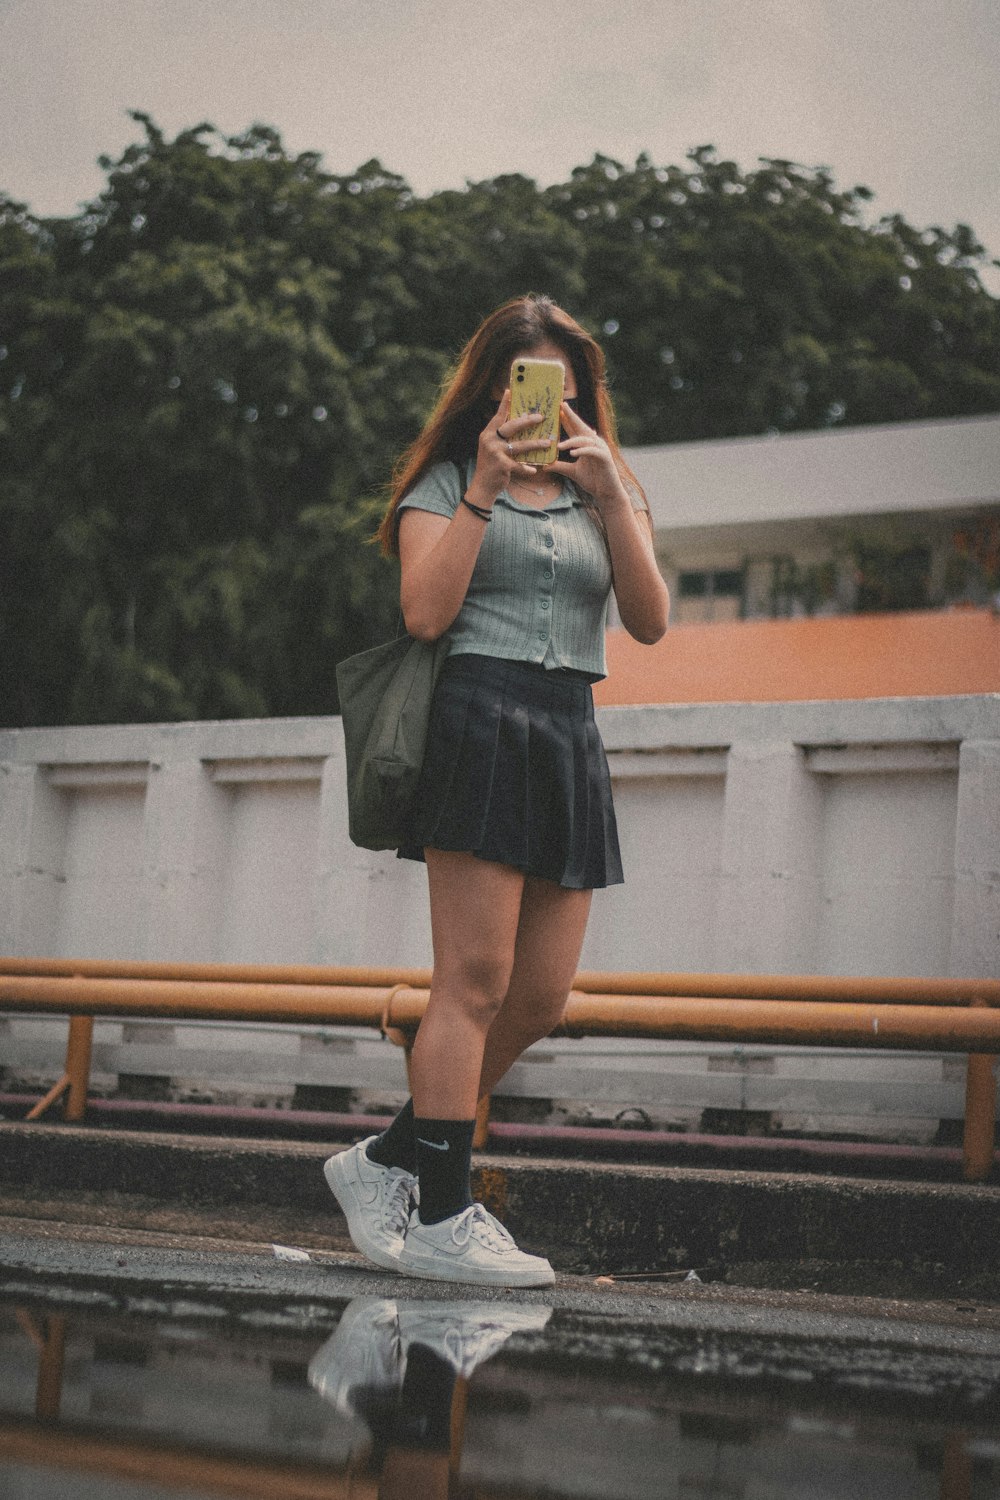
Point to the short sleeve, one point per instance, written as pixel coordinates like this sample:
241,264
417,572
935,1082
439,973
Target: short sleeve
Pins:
438,491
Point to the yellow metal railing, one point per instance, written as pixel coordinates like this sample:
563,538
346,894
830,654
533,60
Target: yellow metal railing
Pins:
943,1015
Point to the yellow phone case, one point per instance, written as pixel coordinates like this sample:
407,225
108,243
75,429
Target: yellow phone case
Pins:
537,385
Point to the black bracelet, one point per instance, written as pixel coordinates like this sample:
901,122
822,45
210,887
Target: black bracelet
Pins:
477,510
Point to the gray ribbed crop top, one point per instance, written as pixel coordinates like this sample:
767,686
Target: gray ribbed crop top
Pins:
539,590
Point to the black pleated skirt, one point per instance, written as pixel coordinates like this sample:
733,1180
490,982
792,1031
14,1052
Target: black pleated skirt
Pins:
515,771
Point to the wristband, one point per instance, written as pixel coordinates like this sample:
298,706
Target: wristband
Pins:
477,510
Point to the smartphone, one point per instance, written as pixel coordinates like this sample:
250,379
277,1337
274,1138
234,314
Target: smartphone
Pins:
536,385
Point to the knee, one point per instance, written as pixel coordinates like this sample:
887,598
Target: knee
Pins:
477,982
536,1013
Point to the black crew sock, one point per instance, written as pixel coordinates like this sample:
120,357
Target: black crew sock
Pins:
424,1413
396,1146
444,1155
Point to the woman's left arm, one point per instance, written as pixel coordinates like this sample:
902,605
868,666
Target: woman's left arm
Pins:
641,593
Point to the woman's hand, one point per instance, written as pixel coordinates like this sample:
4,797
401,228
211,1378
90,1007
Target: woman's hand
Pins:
643,601
438,555
594,468
498,459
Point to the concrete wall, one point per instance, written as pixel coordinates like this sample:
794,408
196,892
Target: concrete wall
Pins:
852,837
946,464
776,509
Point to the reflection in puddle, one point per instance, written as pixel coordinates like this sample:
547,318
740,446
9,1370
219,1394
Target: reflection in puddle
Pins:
428,1397
402,1367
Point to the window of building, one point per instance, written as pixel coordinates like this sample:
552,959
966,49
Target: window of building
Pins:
891,575
806,588
709,594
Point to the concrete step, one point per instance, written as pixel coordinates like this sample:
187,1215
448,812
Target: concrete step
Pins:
591,1218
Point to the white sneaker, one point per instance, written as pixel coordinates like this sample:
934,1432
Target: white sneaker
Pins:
376,1201
363,1355
465,1334
471,1247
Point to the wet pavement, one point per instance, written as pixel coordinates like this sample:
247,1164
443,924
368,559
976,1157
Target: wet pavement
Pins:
136,1365
186,1317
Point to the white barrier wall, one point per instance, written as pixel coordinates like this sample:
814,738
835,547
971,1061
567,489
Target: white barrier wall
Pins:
847,837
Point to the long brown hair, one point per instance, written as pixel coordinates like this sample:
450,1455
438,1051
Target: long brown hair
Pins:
467,403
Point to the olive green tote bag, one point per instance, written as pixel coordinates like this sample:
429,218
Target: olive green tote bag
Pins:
385,703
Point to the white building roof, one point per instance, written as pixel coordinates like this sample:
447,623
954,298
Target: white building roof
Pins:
851,471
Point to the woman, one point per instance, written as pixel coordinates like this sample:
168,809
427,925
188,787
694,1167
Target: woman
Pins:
514,816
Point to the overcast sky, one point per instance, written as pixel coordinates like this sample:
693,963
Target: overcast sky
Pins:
901,95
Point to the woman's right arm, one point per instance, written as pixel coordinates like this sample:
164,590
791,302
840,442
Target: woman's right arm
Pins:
437,554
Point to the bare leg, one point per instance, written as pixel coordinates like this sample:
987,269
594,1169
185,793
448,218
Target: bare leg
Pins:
546,956
486,920
475,914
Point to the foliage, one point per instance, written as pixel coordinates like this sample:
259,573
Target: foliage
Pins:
206,375
890,575
974,565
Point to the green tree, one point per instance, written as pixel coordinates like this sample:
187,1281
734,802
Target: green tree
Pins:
735,303
200,443
205,377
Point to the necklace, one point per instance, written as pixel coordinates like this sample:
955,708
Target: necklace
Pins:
534,488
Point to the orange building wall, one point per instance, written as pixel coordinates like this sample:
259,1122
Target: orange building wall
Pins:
927,653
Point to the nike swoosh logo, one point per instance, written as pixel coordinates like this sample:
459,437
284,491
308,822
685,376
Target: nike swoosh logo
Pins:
434,1145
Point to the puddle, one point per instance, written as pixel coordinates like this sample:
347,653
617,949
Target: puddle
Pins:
429,1397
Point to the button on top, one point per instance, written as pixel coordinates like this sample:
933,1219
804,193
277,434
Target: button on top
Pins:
549,542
